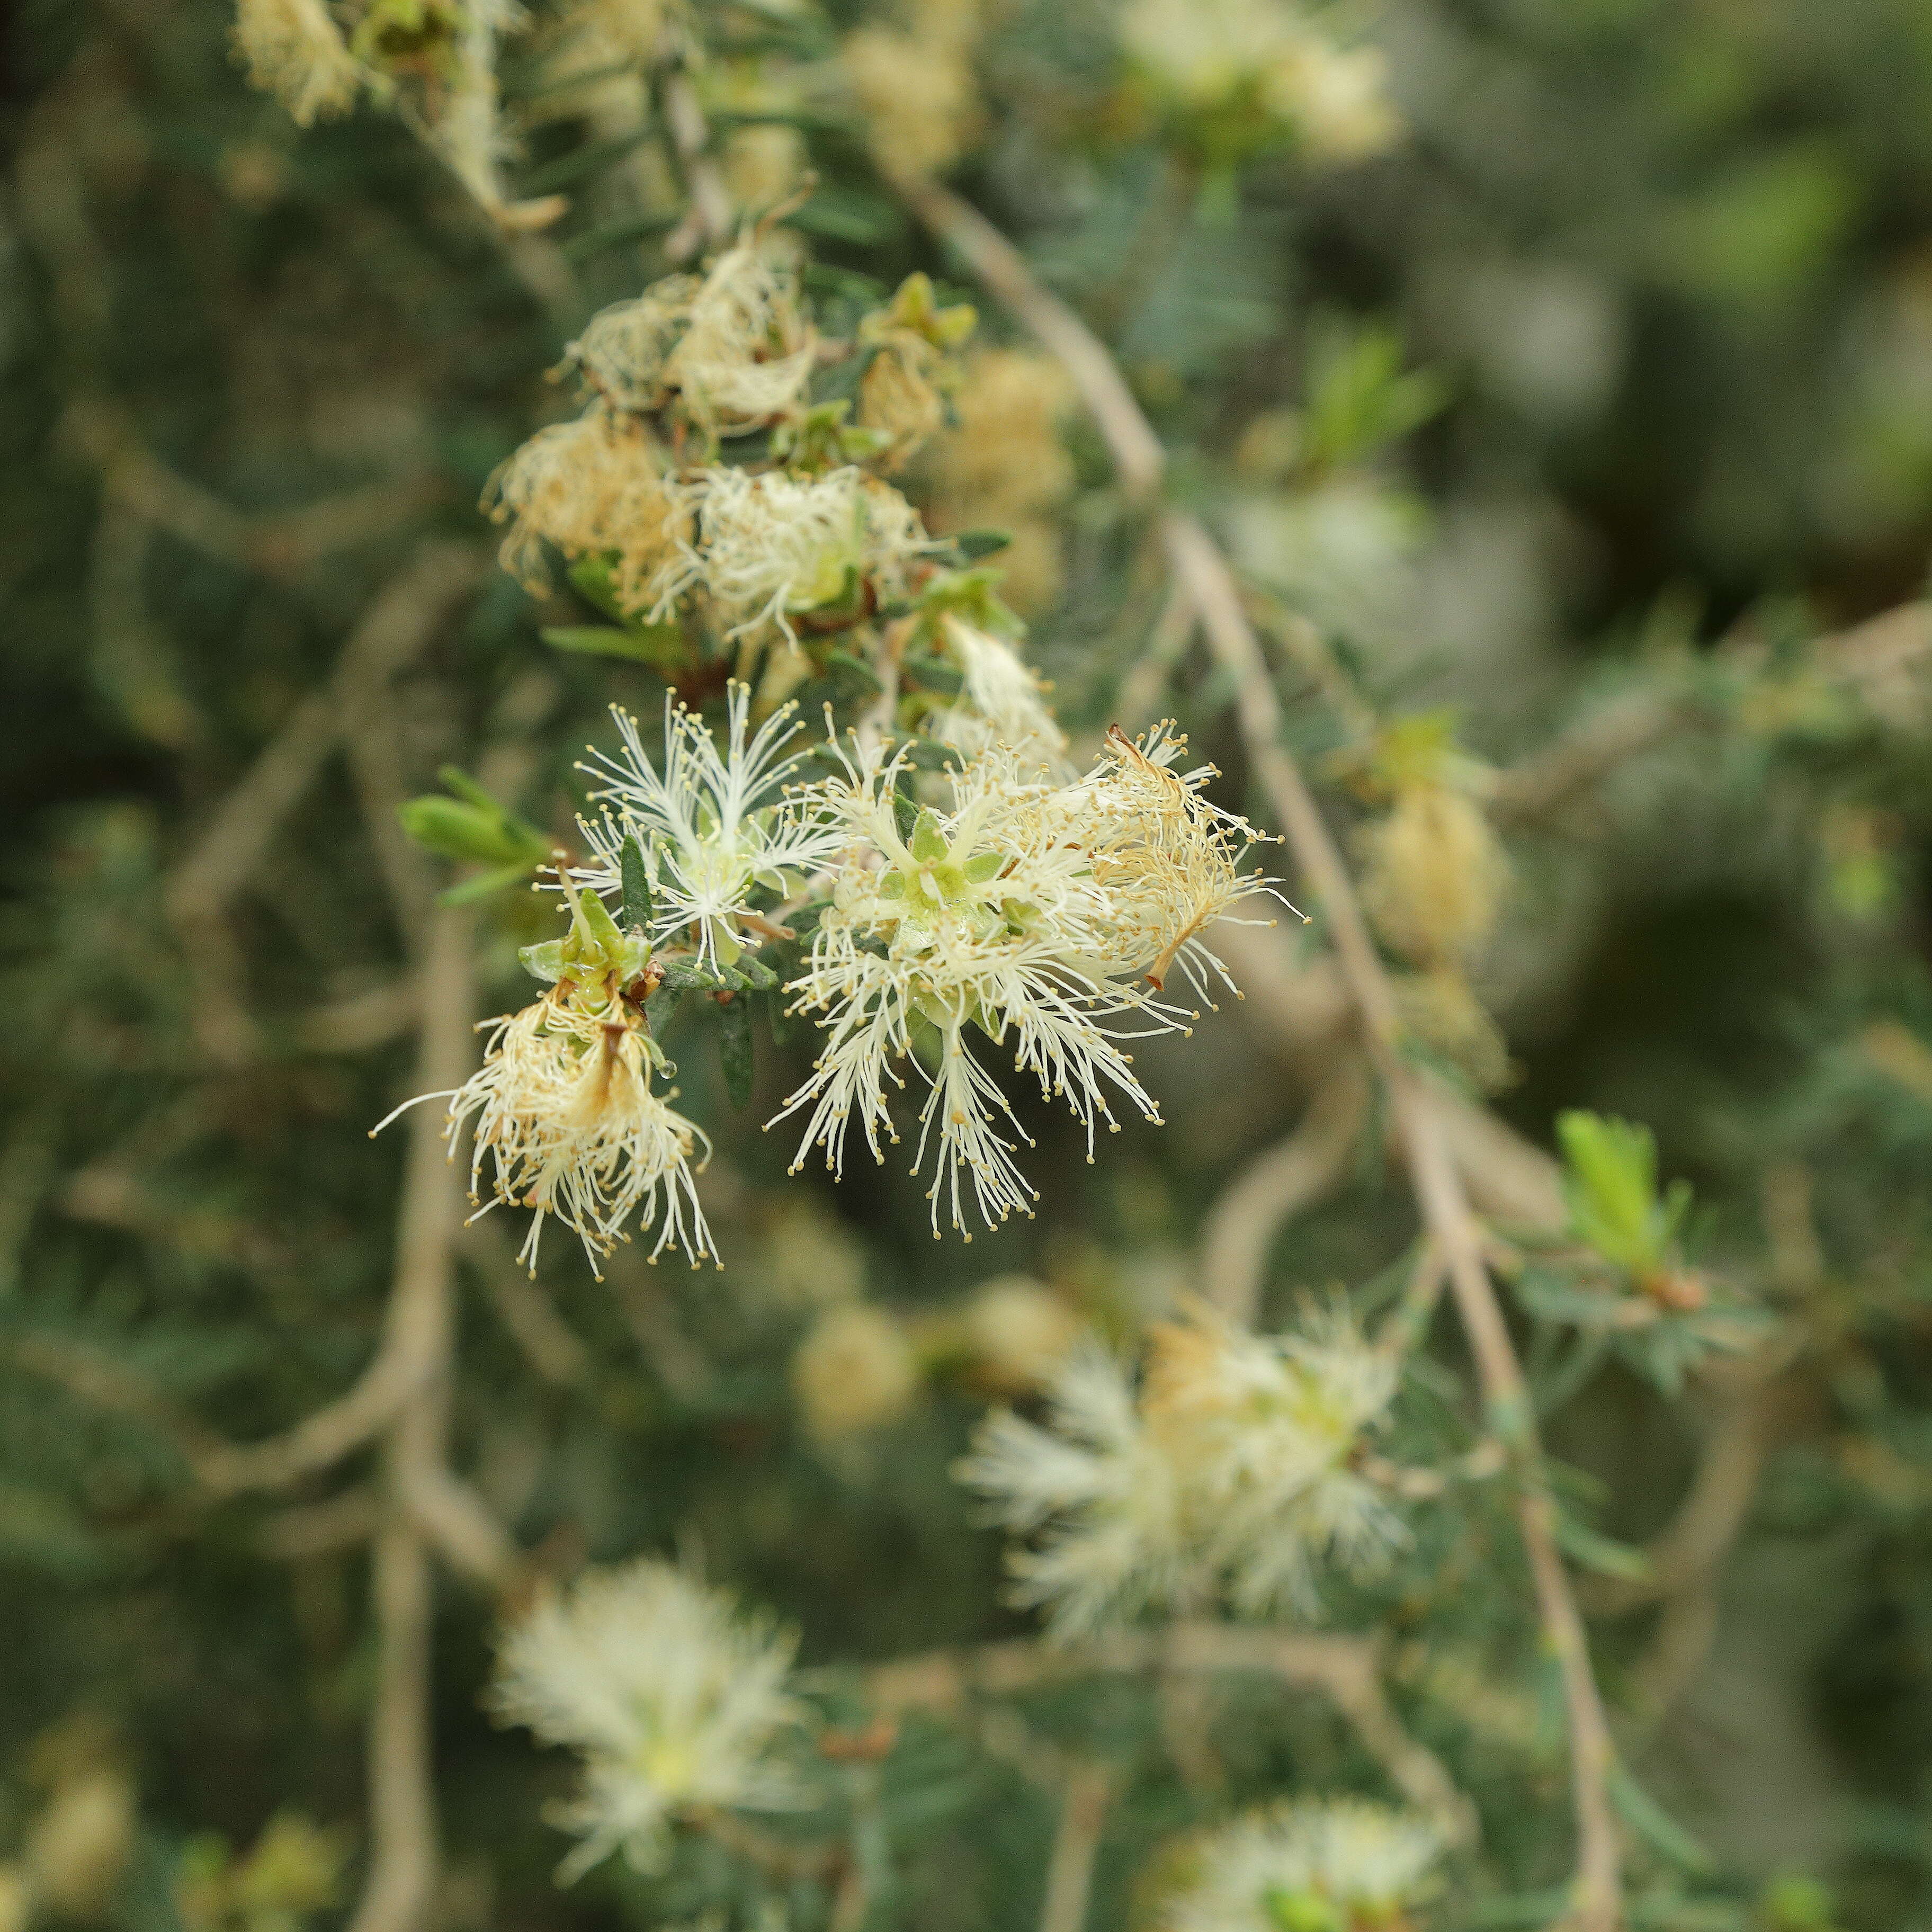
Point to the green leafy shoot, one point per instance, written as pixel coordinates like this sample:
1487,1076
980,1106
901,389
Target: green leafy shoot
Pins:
474,828
1361,399
1610,1183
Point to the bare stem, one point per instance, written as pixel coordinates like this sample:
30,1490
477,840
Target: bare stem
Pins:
1437,1184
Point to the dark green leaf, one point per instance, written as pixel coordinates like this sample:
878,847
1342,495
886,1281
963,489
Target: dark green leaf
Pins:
636,879
734,1048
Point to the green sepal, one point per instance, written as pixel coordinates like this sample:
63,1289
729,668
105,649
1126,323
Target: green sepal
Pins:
928,842
984,868
973,544
545,960
635,877
734,1049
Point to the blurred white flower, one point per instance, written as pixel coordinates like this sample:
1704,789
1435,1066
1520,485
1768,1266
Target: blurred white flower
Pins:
1104,1491
1340,1865
732,347
1001,702
676,1701
1230,1468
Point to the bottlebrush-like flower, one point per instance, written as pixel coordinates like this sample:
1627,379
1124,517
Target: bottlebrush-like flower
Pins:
1168,859
593,484
986,919
1028,913
714,827
566,1117
676,1700
1338,1865
1230,1468
1099,1485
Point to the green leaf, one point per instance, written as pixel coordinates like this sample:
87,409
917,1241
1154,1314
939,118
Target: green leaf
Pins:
474,828
973,544
734,1049
585,160
616,234
660,646
1610,1184
1651,1822
1603,1554
636,877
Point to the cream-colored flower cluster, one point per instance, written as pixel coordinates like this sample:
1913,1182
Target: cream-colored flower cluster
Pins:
1337,1865
676,1700
1230,1467
699,359
1039,918
1256,66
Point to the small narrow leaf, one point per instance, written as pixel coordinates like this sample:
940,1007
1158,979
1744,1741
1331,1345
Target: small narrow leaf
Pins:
734,1049
660,646
636,878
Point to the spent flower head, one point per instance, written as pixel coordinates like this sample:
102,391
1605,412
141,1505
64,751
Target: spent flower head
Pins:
763,550
675,1699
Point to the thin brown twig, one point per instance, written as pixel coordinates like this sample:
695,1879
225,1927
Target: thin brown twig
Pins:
1088,1791
1346,1670
1440,1199
1279,1183
707,222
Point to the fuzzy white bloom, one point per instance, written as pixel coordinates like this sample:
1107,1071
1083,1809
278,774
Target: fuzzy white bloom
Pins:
1001,702
1107,1496
1343,1863
1168,858
1019,1332
986,918
713,826
1026,916
566,1117
767,548
594,484
294,50
1229,1468
732,345
1264,1429
676,1700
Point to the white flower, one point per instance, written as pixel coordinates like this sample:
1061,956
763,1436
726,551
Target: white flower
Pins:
1343,1863
1168,858
295,49
1230,1467
1107,1494
1233,57
713,826
564,1114
1001,702
1265,1429
676,1701
987,920
765,548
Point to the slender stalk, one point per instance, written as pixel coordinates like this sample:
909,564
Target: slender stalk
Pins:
1434,1180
